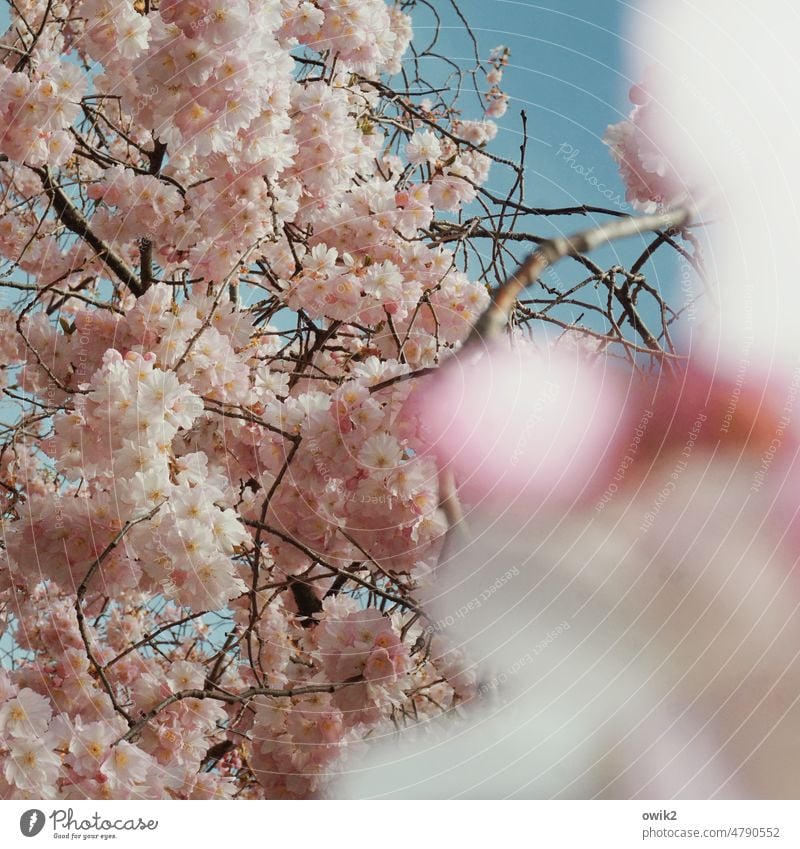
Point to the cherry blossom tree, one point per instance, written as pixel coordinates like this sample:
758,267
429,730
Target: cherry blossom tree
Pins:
240,241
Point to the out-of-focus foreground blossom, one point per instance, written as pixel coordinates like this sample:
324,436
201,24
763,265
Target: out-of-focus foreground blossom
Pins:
646,642
643,643
511,425
637,145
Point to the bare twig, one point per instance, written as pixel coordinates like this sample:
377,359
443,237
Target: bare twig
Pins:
71,218
494,318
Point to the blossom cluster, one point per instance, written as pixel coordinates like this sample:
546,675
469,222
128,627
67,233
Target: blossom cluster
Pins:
636,144
223,173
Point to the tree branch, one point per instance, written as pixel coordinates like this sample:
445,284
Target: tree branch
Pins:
71,218
495,317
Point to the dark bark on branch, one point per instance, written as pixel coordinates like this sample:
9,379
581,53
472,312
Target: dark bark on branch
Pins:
494,318
71,218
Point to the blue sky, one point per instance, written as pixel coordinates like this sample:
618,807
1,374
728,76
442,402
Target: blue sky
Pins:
567,72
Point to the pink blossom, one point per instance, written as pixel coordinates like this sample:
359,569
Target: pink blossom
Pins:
382,452
26,715
423,147
91,745
31,765
650,177
126,765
